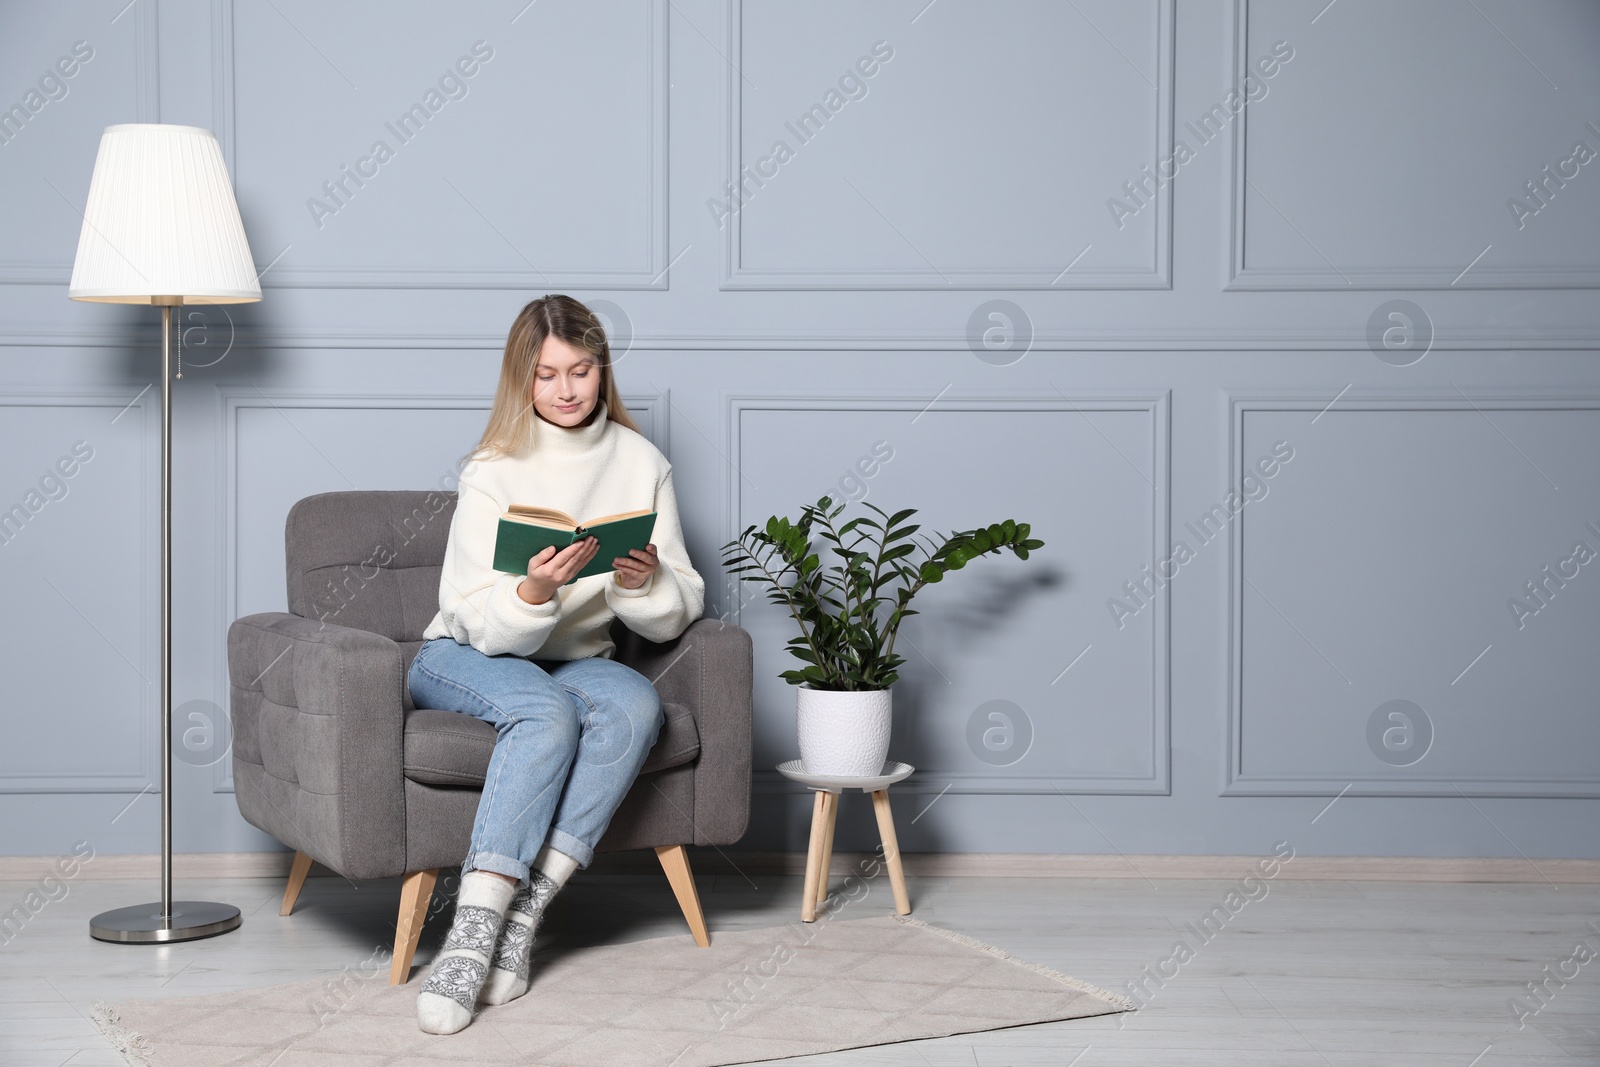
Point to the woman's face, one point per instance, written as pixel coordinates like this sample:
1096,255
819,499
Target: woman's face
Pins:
566,383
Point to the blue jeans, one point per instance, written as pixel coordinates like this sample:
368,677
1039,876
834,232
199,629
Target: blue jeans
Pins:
573,736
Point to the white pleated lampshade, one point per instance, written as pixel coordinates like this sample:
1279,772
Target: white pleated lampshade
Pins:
162,221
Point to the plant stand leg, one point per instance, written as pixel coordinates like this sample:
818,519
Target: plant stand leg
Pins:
832,806
819,819
891,849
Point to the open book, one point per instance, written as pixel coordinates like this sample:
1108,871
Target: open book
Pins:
526,531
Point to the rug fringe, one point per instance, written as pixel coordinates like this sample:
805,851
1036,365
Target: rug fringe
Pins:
129,1043
1115,999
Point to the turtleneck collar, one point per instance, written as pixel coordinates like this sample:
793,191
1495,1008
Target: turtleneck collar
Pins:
546,438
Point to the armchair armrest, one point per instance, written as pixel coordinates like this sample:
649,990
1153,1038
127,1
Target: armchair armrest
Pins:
707,669
318,739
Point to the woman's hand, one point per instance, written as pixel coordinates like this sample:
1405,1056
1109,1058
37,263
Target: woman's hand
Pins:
634,570
549,570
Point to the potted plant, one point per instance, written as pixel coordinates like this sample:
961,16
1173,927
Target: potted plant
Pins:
846,639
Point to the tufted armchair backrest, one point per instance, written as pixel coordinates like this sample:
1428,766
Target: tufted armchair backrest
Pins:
369,559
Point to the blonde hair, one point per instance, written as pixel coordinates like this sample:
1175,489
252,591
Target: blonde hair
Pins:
511,418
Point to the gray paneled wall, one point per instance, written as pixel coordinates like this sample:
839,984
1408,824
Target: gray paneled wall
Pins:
1275,318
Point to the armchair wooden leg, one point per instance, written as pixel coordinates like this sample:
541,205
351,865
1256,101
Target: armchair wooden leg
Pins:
675,861
297,880
415,896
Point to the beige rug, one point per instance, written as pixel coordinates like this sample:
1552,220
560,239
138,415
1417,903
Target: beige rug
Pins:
761,994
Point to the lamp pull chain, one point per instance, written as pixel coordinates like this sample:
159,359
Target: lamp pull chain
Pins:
180,342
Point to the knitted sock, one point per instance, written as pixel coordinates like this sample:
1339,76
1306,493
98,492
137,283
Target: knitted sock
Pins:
509,969
446,1001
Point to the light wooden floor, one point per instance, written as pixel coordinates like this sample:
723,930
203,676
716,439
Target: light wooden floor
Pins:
1316,973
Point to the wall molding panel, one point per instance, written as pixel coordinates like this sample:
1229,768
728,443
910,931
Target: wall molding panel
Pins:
1347,276
736,274
377,276
1155,409
1421,779
651,412
138,765
146,91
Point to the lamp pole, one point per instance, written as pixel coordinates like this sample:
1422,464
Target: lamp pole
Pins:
166,921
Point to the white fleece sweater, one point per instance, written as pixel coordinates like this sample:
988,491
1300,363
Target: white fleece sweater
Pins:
587,471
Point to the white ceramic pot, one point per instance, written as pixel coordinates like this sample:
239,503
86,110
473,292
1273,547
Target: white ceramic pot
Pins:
843,734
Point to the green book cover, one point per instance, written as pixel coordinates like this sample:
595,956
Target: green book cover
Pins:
526,531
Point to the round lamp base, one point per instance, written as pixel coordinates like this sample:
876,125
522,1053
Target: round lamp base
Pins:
145,924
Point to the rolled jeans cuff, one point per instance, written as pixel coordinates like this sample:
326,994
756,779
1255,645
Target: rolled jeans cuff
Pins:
562,841
498,864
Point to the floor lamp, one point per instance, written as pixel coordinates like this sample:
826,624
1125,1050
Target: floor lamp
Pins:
162,227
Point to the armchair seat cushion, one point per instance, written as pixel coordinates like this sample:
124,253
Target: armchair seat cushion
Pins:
448,748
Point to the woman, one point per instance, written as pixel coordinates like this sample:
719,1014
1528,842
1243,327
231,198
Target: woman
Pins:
532,655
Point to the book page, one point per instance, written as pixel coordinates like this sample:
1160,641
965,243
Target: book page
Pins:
549,517
602,520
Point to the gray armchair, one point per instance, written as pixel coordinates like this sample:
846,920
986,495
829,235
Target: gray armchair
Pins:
331,757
